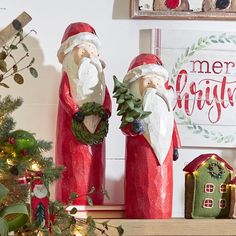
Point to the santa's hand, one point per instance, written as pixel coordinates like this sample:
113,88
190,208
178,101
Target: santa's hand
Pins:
105,116
175,154
137,127
79,116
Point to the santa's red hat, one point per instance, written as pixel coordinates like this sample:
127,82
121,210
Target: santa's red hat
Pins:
74,35
145,64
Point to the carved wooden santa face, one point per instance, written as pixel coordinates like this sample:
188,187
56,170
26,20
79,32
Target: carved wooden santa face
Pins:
85,49
151,81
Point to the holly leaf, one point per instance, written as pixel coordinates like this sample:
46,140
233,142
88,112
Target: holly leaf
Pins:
3,55
90,201
13,47
120,230
15,68
25,47
105,224
4,85
73,196
20,34
92,190
105,193
33,72
3,66
32,61
18,78
73,211
90,221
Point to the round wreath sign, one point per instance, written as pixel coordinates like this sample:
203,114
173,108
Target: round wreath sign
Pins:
79,129
216,170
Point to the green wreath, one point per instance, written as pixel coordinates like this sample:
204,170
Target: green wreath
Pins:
79,129
216,170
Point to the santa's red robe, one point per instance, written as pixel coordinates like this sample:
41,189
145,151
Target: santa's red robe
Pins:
85,164
148,185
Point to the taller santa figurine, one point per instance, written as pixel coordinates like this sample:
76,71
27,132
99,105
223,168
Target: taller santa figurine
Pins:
83,111
151,142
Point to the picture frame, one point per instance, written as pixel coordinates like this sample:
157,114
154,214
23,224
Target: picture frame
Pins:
204,98
138,12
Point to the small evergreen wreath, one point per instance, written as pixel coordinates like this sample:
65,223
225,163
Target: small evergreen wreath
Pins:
79,129
216,170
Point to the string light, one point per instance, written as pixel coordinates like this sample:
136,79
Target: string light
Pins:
9,162
35,167
203,163
213,157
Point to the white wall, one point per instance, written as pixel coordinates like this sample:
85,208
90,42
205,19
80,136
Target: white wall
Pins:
120,37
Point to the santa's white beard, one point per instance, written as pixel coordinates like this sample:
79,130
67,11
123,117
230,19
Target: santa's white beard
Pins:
87,84
159,124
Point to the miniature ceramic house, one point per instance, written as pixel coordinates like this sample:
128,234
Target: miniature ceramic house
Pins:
219,5
207,194
175,5
232,186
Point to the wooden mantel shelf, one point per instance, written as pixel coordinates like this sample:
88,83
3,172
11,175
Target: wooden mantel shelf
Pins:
181,227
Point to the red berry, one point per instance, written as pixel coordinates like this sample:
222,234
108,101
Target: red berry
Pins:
12,140
24,152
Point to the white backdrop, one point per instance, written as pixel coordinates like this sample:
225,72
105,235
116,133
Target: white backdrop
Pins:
122,39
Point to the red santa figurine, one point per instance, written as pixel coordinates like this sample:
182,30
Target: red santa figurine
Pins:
84,108
39,202
151,143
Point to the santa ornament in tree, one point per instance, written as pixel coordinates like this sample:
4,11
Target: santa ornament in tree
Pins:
83,112
151,138
219,5
176,5
39,202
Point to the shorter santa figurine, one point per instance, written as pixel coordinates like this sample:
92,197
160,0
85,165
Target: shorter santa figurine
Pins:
176,5
39,202
151,141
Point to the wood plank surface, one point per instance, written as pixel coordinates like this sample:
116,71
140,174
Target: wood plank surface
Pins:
183,227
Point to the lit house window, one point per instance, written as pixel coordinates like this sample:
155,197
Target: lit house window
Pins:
209,188
208,203
223,188
222,203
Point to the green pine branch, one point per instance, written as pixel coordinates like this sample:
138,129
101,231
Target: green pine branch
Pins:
129,108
